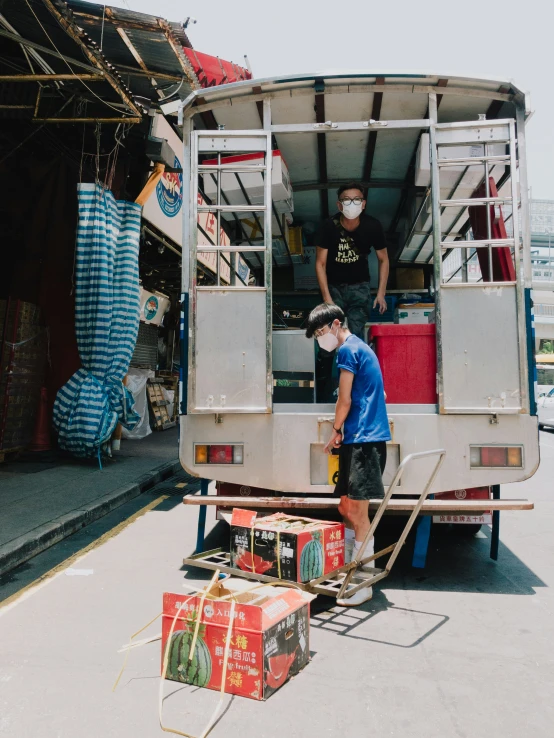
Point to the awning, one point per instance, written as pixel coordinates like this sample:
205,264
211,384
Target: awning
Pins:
147,51
51,71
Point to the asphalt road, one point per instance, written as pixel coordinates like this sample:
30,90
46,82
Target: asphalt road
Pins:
462,648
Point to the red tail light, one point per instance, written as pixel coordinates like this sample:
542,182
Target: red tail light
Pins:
220,455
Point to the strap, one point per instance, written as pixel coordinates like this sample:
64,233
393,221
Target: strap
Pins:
205,593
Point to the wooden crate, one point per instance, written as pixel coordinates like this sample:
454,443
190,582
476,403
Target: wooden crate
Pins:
171,382
158,405
10,453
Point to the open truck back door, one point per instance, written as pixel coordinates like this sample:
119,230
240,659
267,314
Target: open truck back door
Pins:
229,351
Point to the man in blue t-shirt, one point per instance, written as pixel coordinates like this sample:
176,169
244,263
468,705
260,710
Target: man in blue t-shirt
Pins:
360,430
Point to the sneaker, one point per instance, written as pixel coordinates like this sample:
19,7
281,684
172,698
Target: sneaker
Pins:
358,598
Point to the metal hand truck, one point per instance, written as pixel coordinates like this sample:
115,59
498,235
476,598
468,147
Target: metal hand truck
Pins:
343,582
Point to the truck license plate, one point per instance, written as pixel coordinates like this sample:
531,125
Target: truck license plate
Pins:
484,519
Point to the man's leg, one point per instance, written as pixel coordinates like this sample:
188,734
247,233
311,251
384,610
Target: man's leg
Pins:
356,518
357,299
355,514
360,480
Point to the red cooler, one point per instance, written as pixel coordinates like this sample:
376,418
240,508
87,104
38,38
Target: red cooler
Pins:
408,358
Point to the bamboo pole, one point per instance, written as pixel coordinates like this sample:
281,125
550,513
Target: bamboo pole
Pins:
124,69
49,77
87,120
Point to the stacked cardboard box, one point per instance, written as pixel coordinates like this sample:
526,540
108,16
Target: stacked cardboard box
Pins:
286,546
22,364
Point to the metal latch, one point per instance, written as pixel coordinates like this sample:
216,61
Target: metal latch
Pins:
326,124
372,122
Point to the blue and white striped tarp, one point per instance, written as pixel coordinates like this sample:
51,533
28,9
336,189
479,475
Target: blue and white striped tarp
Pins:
107,309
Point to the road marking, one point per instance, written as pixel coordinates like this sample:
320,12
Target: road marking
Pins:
49,576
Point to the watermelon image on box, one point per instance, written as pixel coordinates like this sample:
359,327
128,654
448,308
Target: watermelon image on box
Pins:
196,671
311,561
286,546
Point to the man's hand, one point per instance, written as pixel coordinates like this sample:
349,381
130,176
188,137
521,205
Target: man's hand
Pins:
334,442
381,303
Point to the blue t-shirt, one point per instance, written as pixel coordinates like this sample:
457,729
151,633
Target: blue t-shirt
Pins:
367,420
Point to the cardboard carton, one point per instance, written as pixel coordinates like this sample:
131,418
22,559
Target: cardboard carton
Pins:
410,278
286,546
269,638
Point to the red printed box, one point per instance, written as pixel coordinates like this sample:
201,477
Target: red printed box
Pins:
285,546
269,639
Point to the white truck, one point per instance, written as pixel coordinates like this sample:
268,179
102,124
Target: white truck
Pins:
443,161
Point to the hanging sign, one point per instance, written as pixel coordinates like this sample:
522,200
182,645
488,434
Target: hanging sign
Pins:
153,306
164,210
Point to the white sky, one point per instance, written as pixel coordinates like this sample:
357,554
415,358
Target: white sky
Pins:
484,38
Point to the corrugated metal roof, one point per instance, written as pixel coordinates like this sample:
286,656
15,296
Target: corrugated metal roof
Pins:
146,50
49,37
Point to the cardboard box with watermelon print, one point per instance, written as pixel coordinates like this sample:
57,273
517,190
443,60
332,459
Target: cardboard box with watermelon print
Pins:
285,546
269,639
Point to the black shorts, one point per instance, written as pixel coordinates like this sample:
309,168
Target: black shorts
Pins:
361,468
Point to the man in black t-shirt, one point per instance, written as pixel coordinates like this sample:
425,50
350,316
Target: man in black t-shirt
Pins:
343,245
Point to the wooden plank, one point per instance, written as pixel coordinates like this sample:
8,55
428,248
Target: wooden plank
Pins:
395,505
13,452
151,184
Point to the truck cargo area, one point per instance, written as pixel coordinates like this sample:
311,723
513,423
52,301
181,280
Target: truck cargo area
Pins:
324,135
443,166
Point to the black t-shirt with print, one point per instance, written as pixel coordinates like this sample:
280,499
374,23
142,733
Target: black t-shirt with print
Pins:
347,261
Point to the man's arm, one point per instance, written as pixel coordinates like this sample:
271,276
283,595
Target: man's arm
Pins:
321,273
342,408
383,257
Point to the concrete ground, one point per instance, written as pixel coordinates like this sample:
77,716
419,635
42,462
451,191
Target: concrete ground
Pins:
463,648
46,497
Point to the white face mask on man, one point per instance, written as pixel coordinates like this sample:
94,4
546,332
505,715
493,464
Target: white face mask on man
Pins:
352,211
328,341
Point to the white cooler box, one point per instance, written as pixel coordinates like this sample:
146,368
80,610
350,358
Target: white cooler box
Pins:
253,183
418,313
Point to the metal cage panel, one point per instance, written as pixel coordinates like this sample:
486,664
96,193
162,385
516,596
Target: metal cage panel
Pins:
480,349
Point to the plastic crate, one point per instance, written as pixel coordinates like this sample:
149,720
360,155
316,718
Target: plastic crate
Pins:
408,358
